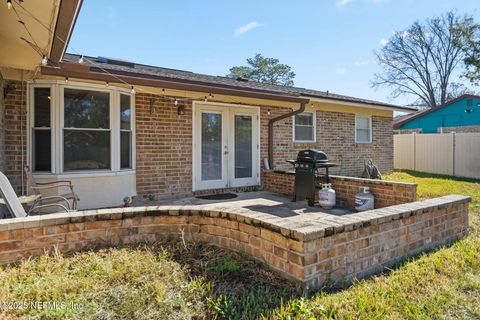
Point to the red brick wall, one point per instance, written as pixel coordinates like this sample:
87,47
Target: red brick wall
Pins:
164,147
387,193
164,142
2,127
14,133
336,137
164,159
357,254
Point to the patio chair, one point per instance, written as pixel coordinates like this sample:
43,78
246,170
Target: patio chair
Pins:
13,203
39,188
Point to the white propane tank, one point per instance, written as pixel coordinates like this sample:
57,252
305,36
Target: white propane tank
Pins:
326,196
364,200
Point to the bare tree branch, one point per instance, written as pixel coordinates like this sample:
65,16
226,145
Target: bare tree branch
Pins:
421,60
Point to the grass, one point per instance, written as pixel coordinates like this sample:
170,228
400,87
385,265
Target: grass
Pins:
170,280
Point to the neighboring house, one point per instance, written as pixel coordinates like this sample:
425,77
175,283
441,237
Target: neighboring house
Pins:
458,115
120,129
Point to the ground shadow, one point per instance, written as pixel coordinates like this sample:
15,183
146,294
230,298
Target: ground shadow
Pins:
244,288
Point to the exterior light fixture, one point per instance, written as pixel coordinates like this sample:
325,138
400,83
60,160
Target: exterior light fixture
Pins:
80,60
9,4
133,90
66,79
152,106
44,60
181,110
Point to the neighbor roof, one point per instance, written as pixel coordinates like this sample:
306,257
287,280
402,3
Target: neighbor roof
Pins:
125,67
401,120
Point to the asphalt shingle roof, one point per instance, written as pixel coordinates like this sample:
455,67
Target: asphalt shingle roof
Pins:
173,74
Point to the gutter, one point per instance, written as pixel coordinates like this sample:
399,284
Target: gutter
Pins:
358,104
66,18
271,122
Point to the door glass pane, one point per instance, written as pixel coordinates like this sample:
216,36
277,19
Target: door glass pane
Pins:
87,109
86,150
243,146
211,146
42,107
42,150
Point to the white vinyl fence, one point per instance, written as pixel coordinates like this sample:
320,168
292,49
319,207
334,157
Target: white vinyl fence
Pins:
455,154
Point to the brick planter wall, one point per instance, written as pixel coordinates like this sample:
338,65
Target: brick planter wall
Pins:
387,193
336,248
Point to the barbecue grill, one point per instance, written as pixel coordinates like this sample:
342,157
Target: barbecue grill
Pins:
307,165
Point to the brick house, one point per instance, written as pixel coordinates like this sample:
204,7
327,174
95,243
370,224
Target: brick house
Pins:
117,128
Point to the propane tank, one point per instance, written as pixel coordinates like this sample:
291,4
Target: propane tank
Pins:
364,200
326,196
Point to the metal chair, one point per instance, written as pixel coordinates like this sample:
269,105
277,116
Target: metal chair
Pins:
13,203
39,188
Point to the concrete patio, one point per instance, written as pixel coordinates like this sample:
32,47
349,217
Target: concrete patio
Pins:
263,203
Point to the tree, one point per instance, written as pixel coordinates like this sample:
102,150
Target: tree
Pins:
421,60
468,40
266,70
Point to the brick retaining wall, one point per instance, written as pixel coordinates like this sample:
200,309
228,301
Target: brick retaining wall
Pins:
337,248
387,193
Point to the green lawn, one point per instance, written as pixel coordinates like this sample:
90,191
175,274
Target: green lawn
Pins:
171,280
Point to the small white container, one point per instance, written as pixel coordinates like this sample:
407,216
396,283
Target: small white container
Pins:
364,200
327,196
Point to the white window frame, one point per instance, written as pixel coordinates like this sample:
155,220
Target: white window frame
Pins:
314,123
57,125
132,129
31,124
370,127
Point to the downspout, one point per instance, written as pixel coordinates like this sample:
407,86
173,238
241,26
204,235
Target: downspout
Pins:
303,104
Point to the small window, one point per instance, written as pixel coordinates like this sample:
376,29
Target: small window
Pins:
363,129
125,131
304,127
42,131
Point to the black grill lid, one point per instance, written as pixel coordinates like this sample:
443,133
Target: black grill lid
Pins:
312,155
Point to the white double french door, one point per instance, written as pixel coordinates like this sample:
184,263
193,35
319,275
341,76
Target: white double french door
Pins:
225,146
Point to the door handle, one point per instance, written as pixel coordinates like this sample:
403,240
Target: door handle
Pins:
225,152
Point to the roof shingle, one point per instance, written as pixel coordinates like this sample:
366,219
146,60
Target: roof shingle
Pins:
124,66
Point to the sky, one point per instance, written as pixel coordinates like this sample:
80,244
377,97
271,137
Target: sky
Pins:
329,44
